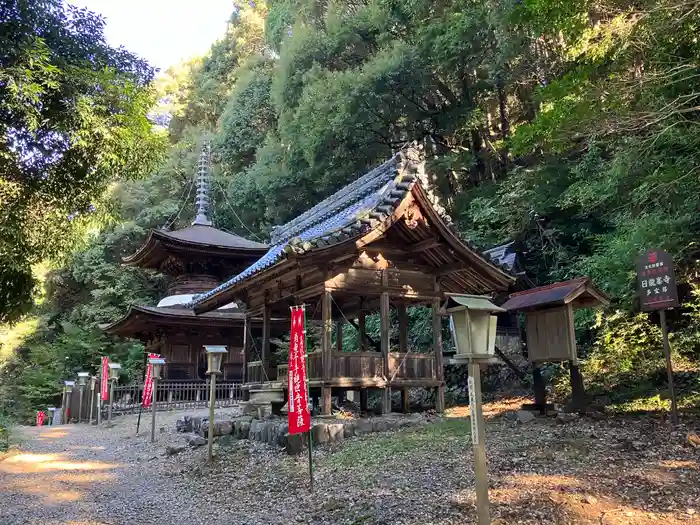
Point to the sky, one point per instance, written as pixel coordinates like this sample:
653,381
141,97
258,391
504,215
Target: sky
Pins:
162,31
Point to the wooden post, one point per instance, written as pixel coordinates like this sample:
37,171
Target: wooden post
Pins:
669,367
540,389
384,321
437,348
476,421
361,323
339,336
210,433
246,347
93,389
111,400
403,328
326,355
363,400
577,391
405,400
63,407
265,357
154,382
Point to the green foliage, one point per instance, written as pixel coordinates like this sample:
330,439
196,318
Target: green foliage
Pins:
72,118
571,127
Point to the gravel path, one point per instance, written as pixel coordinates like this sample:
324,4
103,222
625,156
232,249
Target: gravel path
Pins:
609,471
79,475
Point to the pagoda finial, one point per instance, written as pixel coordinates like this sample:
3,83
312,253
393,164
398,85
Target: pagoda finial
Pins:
202,179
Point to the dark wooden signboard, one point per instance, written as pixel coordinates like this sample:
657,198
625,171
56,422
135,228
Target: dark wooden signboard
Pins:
656,281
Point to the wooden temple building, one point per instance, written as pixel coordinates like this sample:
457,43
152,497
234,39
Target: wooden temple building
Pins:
197,258
382,243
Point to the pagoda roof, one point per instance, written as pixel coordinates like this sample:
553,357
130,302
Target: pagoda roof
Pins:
146,319
579,292
196,238
504,255
368,204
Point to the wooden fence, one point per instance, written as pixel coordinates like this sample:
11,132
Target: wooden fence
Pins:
170,395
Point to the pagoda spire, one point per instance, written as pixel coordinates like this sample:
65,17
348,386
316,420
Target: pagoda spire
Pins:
202,180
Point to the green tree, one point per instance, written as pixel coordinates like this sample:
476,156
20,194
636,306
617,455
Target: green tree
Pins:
72,117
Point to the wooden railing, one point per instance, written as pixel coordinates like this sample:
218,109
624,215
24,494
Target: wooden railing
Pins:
370,365
360,365
170,395
411,365
256,373
315,365
282,373
508,341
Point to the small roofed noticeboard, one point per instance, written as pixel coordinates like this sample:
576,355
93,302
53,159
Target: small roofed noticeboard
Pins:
656,281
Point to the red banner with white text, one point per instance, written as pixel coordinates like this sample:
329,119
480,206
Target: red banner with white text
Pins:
148,383
40,418
104,380
299,417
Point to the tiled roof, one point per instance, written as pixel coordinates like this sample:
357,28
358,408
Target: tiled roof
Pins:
347,213
503,255
210,236
353,210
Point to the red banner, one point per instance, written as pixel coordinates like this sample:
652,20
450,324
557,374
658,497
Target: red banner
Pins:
299,418
104,386
148,384
40,416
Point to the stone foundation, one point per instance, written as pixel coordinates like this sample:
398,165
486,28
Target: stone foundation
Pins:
274,430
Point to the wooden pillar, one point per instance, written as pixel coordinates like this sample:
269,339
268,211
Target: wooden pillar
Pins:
339,336
247,339
384,321
326,351
265,356
578,393
405,400
362,325
363,400
437,348
403,328
540,389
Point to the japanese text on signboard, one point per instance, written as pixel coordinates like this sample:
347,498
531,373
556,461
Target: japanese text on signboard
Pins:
104,389
299,417
656,281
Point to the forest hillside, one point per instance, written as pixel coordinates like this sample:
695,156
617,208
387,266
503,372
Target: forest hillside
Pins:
571,128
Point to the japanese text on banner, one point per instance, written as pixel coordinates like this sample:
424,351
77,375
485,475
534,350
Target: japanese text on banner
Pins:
299,417
148,383
104,387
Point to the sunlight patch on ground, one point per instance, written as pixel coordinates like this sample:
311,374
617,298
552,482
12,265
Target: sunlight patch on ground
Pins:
52,477
35,463
676,464
491,409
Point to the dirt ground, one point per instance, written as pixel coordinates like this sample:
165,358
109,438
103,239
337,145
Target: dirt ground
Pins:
601,470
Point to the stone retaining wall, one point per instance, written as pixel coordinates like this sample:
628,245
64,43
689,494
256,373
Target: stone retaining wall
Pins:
274,430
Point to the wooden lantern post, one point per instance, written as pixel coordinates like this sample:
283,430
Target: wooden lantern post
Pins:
215,355
474,331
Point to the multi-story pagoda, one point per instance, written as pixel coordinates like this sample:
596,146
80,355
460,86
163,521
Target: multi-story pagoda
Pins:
198,258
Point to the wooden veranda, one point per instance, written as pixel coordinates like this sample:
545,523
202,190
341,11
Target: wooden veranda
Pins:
379,244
